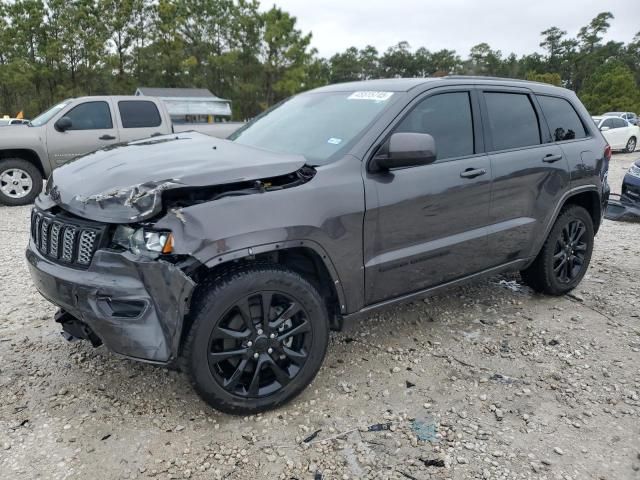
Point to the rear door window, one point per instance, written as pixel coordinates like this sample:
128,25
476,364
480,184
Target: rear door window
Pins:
513,122
619,123
608,123
90,116
139,114
564,122
447,118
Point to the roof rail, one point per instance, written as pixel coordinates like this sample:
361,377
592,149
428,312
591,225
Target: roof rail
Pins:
500,79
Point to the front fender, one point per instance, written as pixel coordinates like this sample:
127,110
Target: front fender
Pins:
325,214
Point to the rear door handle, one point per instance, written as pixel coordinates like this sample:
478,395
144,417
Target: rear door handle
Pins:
551,158
107,137
473,172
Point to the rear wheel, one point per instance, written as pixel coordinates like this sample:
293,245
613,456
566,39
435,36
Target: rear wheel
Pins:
258,338
20,182
631,145
565,256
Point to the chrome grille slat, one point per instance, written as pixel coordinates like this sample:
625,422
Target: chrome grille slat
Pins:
37,226
68,241
85,248
55,239
64,239
44,235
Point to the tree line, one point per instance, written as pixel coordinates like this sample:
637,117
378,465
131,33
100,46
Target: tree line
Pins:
55,49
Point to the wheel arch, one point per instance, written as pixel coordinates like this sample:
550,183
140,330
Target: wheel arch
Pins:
304,257
25,154
590,201
586,196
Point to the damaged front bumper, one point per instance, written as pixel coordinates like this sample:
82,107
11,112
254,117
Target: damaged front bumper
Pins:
135,306
627,205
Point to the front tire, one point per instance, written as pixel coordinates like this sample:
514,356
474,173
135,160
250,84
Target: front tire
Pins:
258,338
20,182
631,145
565,256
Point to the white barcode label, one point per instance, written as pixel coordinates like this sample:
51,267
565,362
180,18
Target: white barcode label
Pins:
375,96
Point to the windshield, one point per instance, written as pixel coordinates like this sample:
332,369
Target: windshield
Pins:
46,116
315,125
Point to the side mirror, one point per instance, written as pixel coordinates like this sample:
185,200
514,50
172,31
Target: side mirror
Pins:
604,129
405,150
63,124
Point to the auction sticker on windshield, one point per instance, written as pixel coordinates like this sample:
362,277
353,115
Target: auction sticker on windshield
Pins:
375,96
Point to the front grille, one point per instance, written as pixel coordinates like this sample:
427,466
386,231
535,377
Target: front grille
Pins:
65,239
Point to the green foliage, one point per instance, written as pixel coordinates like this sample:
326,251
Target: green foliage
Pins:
551,78
54,49
612,87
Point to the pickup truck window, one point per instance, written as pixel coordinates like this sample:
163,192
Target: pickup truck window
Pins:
90,116
315,125
48,114
512,120
446,117
139,114
562,118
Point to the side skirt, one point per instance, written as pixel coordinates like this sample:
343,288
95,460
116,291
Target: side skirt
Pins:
369,309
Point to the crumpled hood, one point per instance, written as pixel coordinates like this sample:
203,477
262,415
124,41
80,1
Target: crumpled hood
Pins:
124,183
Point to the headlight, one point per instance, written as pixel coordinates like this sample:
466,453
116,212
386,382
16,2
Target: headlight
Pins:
143,241
634,171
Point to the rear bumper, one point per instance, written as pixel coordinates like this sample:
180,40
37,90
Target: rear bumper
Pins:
135,306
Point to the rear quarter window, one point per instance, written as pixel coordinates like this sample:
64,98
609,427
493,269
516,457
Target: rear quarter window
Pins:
139,114
512,120
563,121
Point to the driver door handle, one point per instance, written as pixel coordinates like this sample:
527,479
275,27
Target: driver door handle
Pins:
107,137
473,172
551,158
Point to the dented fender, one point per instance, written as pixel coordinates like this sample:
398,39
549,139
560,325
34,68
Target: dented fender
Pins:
324,214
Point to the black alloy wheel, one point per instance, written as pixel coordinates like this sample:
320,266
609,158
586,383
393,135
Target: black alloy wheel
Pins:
564,257
260,344
570,251
257,338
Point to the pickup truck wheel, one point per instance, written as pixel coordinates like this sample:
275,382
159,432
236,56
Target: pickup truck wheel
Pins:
258,338
565,256
20,182
631,145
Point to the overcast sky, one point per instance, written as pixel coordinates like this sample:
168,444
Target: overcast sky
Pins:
510,26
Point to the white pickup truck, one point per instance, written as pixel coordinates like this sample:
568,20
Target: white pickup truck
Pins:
77,126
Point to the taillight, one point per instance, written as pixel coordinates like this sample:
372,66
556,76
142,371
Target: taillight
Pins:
607,153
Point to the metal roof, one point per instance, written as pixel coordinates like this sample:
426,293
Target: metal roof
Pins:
199,93
188,101
406,84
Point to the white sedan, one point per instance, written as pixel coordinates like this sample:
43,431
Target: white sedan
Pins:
620,134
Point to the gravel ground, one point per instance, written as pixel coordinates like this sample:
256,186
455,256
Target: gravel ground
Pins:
487,381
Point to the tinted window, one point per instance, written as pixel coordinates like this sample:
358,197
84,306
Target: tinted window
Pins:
139,114
90,116
512,120
562,119
446,117
608,123
619,123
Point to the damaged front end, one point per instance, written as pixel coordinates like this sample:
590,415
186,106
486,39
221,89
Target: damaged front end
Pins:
135,306
626,206
96,252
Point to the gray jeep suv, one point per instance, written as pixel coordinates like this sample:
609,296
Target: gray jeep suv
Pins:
234,258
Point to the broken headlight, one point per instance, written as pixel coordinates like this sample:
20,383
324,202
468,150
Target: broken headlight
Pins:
634,171
143,241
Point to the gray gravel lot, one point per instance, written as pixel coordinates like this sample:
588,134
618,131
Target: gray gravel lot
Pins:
487,381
